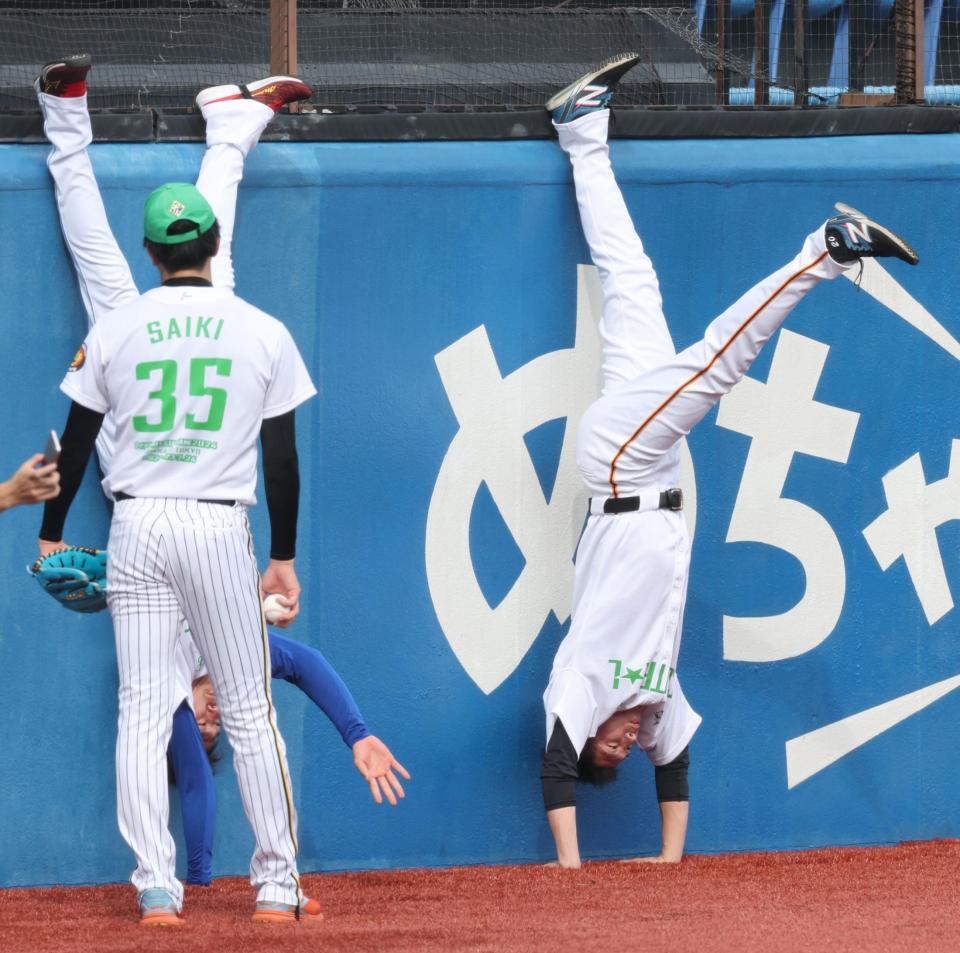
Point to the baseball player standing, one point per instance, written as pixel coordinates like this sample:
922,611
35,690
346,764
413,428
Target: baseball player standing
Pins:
614,682
191,376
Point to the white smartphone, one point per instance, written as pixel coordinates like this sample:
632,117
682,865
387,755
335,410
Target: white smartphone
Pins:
51,452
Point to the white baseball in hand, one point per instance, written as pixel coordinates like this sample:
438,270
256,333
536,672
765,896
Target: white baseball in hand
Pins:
274,609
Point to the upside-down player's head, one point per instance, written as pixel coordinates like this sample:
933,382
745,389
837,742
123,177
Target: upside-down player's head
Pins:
207,712
181,233
609,748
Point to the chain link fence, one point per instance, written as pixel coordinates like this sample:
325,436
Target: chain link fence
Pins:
488,55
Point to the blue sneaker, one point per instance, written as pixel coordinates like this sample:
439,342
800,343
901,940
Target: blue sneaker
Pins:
157,909
592,91
851,236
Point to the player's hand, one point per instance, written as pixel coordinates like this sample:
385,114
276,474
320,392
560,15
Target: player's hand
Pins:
376,764
47,547
33,483
280,577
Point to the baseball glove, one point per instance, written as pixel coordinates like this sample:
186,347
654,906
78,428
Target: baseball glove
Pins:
75,577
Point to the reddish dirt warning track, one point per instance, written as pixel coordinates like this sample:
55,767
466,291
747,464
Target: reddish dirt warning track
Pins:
859,900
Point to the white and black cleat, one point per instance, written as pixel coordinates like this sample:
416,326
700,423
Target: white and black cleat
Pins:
851,236
592,91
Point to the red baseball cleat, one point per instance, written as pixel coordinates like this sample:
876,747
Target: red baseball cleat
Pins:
66,77
274,91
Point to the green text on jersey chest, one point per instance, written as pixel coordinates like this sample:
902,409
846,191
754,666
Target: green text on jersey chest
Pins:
187,327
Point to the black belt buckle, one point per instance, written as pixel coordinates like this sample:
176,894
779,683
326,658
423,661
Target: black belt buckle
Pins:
671,499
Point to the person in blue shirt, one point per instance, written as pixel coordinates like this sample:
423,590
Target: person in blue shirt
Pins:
196,731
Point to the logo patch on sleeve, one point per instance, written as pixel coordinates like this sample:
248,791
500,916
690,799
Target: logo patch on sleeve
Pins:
79,359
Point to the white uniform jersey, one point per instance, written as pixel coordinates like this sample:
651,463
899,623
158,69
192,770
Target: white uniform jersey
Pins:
624,639
582,702
189,373
189,666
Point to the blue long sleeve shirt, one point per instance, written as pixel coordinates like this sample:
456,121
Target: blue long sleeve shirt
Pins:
291,661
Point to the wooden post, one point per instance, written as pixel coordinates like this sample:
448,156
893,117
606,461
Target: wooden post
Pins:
283,37
761,53
908,31
801,73
723,30
857,45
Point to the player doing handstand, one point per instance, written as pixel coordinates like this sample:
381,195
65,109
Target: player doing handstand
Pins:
614,684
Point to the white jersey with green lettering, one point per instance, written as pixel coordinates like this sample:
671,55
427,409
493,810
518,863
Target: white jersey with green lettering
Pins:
189,374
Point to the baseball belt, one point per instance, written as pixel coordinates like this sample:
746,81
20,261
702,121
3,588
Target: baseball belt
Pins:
121,496
671,499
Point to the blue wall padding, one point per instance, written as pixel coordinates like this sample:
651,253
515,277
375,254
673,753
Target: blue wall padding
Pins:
380,256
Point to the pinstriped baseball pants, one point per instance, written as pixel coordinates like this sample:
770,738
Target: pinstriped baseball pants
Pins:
171,559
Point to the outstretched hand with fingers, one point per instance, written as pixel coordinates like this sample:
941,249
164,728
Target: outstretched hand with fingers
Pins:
376,764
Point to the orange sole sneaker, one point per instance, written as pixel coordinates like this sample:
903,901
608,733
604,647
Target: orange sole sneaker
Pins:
283,914
161,920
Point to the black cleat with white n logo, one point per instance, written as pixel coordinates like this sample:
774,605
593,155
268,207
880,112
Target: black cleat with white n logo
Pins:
592,91
851,236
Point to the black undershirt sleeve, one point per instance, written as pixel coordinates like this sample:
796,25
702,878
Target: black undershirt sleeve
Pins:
76,445
671,778
558,770
281,478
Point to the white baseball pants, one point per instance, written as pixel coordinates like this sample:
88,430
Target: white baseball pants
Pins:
652,396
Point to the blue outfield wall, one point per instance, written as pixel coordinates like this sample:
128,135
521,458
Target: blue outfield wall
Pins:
434,290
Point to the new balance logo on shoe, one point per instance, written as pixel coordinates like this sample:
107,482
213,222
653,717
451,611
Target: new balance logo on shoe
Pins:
851,235
593,97
592,91
856,234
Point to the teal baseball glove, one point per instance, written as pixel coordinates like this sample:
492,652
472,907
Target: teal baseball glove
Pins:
75,577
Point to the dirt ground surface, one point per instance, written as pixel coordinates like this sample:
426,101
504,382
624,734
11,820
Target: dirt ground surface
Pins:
856,899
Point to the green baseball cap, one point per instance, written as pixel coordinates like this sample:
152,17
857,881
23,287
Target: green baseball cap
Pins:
176,202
